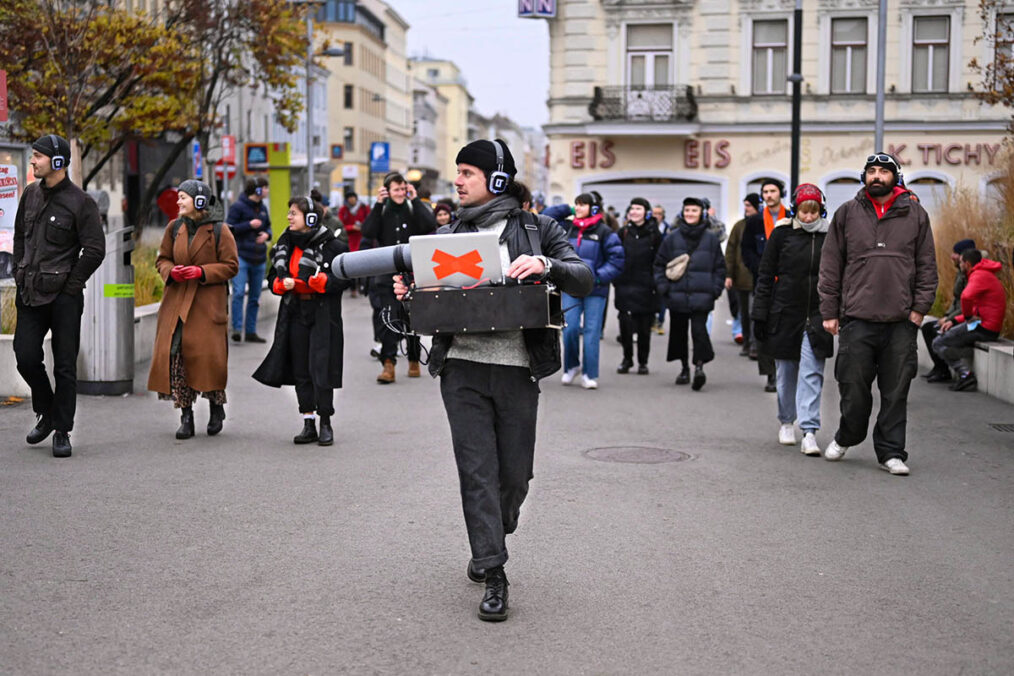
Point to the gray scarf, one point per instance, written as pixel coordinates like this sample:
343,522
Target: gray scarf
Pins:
493,211
819,225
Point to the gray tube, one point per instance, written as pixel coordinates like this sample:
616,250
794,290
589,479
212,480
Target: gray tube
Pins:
371,262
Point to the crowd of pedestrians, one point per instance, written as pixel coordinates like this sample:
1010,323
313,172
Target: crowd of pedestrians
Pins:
795,281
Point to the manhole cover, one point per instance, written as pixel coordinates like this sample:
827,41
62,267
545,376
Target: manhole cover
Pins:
637,454
1002,427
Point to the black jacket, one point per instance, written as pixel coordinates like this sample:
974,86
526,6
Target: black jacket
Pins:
388,225
326,336
786,297
635,287
567,271
704,280
58,241
241,212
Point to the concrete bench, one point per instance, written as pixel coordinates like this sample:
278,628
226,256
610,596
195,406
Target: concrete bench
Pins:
994,368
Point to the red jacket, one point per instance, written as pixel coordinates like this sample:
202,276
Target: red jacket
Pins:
984,296
353,221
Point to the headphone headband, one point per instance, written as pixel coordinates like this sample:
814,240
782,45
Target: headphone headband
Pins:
498,179
57,161
311,215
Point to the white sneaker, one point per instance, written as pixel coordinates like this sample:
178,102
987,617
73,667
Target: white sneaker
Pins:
589,383
569,375
834,451
810,446
896,466
787,435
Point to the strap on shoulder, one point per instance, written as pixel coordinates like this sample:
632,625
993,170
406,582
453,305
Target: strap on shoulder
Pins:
530,222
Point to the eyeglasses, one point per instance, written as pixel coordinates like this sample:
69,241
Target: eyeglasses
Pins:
882,157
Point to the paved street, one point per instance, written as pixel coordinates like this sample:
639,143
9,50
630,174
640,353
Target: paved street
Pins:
246,554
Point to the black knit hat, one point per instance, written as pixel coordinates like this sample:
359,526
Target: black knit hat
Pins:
196,188
51,145
642,202
963,245
754,200
693,202
482,154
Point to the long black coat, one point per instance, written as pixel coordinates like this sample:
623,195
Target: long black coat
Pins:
704,280
635,287
786,295
326,337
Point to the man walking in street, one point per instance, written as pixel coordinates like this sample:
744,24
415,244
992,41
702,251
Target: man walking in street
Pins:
755,236
489,381
58,244
878,278
739,279
251,228
397,215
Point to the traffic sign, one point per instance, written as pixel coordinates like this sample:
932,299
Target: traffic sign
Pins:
225,171
229,149
198,164
380,157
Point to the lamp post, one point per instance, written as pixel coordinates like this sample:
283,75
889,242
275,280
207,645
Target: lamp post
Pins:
878,132
797,81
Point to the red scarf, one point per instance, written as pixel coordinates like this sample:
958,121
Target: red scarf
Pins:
769,224
583,224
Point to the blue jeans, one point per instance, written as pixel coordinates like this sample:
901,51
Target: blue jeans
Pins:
250,275
593,308
799,386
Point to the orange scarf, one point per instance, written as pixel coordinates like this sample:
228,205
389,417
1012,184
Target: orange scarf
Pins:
769,224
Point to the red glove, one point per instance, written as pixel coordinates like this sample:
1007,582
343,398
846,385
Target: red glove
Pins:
319,282
192,272
177,273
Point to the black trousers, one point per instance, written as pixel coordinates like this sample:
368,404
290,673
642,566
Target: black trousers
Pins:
885,351
930,330
392,308
733,297
309,397
745,298
678,348
63,318
492,411
636,323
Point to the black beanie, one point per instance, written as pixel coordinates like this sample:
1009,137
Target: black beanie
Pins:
754,200
963,245
642,202
51,144
482,154
694,202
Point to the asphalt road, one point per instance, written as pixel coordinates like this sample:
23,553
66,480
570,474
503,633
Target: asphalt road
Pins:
246,554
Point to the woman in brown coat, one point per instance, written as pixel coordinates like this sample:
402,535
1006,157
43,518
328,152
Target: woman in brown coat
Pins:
197,258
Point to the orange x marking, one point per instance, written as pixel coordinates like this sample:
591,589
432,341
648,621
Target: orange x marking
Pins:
447,264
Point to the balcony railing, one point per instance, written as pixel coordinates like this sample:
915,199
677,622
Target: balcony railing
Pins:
649,104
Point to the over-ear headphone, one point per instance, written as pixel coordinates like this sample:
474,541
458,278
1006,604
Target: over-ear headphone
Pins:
595,210
311,215
200,202
259,191
879,156
57,161
795,193
498,179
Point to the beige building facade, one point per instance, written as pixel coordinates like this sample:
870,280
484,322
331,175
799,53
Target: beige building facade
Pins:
446,78
668,99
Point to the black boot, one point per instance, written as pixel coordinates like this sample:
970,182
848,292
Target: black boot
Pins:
61,445
699,377
625,366
684,377
938,375
215,421
309,433
966,382
326,436
771,385
493,607
186,429
42,429
475,574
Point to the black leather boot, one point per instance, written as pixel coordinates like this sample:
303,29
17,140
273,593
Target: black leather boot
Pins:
186,429
61,444
326,436
493,607
42,429
215,421
684,377
699,378
625,366
309,433
475,574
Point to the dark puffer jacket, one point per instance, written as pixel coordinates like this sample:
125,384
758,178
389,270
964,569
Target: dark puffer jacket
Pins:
241,212
786,297
704,280
635,287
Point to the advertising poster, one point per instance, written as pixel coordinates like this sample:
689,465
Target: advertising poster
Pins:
8,206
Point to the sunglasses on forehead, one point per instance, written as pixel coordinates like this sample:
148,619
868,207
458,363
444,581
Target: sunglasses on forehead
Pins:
881,157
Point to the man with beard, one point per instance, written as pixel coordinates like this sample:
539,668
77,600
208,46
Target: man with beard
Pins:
489,381
878,278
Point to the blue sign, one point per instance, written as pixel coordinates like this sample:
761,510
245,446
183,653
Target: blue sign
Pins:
198,164
537,9
380,157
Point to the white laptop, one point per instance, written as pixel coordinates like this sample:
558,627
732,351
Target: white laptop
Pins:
456,259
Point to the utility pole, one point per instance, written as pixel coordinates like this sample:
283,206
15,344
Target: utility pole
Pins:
797,82
878,133
309,100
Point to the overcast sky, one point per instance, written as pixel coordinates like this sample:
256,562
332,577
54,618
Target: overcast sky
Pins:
505,60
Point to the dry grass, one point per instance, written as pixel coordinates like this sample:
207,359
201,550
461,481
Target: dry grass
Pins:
991,224
8,312
148,284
